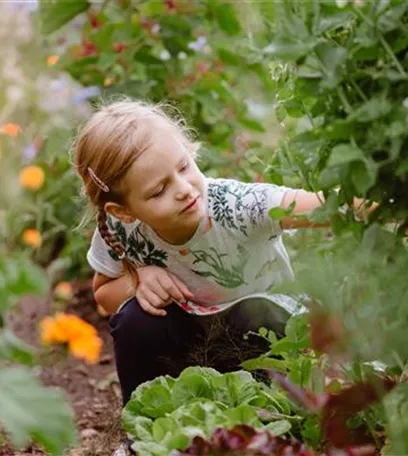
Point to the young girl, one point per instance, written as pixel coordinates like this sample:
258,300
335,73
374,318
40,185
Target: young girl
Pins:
175,251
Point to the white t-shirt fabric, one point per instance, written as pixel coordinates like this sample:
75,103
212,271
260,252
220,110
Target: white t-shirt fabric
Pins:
236,252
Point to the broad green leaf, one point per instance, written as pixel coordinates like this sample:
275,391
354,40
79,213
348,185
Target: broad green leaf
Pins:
235,388
279,427
156,401
363,176
56,13
227,18
345,153
162,427
30,411
14,349
140,427
229,57
373,109
19,276
290,51
191,384
243,414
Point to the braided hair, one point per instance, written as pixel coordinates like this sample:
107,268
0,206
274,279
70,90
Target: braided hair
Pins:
116,245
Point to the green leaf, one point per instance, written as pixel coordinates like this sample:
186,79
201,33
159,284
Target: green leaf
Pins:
297,329
264,362
373,109
243,414
290,51
227,18
140,427
279,427
345,153
30,411
19,276
229,57
278,213
252,124
191,384
56,13
235,388
14,349
363,176
396,406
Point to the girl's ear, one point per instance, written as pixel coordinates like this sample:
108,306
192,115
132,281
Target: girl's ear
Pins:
119,212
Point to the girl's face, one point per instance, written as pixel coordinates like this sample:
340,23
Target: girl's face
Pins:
166,189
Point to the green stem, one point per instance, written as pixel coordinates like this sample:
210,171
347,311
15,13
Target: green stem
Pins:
390,52
358,90
344,100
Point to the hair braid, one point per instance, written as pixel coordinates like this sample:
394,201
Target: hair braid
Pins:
117,247
107,236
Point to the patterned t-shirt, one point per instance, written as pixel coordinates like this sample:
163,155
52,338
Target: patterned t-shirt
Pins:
236,252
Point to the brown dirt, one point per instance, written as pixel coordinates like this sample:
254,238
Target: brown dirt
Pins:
93,390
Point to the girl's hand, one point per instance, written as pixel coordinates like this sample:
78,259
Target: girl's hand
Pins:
157,288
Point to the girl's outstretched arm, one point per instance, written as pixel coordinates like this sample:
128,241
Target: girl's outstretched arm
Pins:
306,202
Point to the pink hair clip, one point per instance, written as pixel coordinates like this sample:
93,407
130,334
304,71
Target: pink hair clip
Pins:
97,181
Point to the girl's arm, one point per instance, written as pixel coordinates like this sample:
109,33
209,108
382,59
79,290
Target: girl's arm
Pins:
307,202
111,293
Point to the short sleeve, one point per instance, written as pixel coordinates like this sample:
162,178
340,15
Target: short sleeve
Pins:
99,258
244,207
274,196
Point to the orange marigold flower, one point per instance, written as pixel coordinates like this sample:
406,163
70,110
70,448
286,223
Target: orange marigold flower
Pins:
64,291
32,237
32,177
87,348
10,129
52,60
81,337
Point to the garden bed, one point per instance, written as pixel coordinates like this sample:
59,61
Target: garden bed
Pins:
93,390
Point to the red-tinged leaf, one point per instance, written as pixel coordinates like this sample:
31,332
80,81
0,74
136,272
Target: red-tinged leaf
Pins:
327,333
312,402
342,406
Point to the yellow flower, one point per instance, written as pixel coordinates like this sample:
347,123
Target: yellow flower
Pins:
81,337
32,177
108,82
64,291
32,237
52,60
10,129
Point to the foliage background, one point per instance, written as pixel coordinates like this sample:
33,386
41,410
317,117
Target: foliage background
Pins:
303,93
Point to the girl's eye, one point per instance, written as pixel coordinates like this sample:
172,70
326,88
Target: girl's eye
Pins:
185,166
158,193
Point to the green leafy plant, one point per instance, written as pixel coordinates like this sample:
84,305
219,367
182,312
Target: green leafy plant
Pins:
166,413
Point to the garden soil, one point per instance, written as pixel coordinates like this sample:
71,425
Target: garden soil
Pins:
93,390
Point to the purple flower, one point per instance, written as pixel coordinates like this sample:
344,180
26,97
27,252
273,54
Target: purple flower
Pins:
29,153
85,93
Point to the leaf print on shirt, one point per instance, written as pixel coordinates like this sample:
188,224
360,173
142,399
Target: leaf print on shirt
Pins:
248,203
119,231
144,251
228,278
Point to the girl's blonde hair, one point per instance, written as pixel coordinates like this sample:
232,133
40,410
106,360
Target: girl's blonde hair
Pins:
107,146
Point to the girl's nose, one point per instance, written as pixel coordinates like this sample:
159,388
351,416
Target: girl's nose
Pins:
184,189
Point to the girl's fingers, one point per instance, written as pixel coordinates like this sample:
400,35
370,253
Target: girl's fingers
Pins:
180,285
171,289
147,307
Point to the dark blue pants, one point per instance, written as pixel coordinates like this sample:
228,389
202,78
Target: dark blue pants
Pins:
147,346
